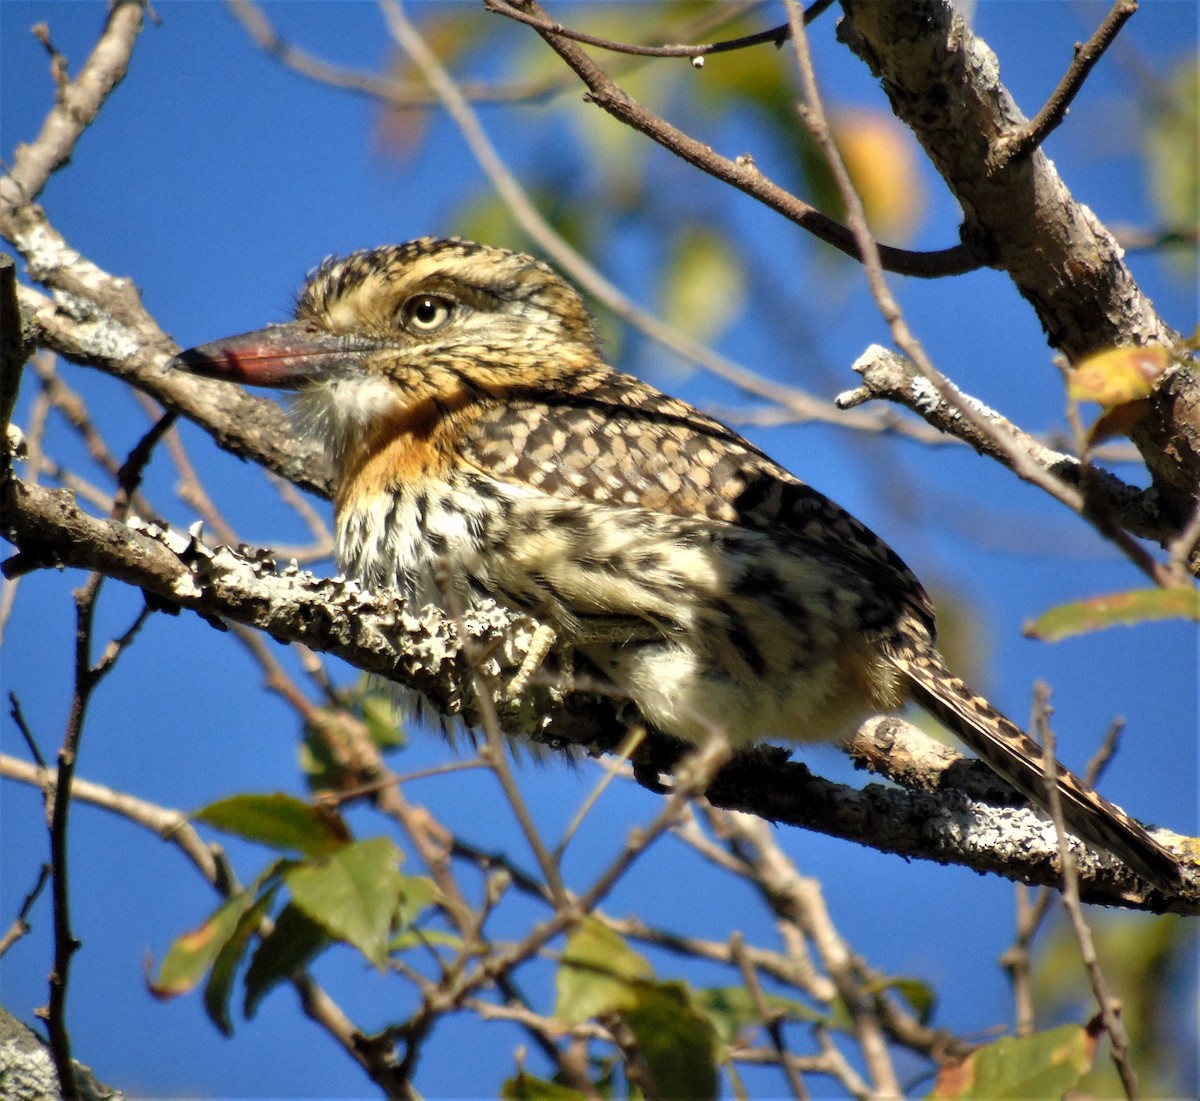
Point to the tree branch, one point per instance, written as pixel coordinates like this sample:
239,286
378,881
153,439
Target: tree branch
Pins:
943,83
376,633
137,353
890,376
1020,143
776,36
76,106
742,173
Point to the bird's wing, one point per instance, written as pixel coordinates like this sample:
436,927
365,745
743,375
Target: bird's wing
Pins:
614,440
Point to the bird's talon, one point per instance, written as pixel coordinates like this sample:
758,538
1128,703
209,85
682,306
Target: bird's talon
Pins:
543,641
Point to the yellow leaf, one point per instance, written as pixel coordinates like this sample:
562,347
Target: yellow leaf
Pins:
881,158
1116,376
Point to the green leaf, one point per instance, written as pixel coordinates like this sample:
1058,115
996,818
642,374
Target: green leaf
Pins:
676,1041
731,1010
219,988
1044,1065
525,1087
287,949
419,892
1115,609
703,286
919,995
1172,123
279,821
353,895
383,720
191,955
599,974
596,973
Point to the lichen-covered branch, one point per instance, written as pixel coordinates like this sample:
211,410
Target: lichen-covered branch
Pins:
378,634
888,375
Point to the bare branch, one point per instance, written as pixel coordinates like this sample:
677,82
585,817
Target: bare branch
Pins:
742,173
137,353
942,82
1022,142
1108,1004
75,108
1014,453
797,402
798,899
776,36
893,377
20,924
770,1021
169,825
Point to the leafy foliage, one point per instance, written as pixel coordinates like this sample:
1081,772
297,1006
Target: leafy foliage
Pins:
341,890
1046,1064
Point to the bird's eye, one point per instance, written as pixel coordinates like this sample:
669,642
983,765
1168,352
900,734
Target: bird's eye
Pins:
426,313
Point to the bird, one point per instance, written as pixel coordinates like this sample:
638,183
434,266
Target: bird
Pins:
483,448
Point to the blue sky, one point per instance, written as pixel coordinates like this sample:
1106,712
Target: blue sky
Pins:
215,179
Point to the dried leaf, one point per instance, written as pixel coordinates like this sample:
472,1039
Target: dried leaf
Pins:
1116,376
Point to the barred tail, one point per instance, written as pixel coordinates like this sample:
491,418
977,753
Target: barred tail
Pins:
1006,749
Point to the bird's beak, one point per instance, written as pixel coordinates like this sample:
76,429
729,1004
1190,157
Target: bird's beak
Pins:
283,357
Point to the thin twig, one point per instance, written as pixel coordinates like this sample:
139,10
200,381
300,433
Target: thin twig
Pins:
797,900
770,1019
59,66
697,769
798,405
1156,238
1108,1004
65,944
398,94
20,925
1015,959
567,258
76,106
1016,144
1032,909
88,677
495,755
829,1062
1182,549
890,376
612,769
543,1031
18,717
169,825
742,173
776,36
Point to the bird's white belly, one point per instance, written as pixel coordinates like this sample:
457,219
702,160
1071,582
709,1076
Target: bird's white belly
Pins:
751,656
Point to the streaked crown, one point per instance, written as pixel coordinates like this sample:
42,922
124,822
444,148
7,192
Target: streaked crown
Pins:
447,294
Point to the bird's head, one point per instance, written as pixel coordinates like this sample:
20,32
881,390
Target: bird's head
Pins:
386,334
